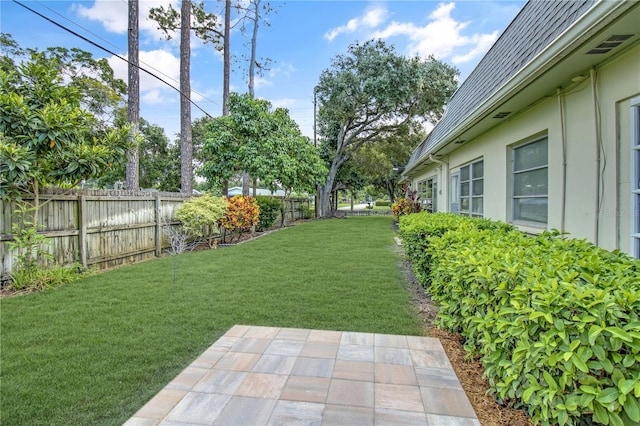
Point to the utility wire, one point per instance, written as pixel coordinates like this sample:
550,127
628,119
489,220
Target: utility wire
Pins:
110,43
114,54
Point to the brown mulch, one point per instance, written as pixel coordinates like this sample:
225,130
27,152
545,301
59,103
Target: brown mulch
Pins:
469,371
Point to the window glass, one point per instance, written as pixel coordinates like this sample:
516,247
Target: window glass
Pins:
464,189
478,187
530,209
533,182
530,182
478,170
531,155
464,173
477,205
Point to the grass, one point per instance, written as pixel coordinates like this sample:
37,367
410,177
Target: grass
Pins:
95,351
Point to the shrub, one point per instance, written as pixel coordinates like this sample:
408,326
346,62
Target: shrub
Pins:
270,207
405,206
383,203
242,214
555,320
200,216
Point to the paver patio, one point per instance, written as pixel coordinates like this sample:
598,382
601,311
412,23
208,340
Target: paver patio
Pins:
283,376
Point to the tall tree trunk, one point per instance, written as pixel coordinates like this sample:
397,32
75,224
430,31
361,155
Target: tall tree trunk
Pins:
326,208
186,147
246,179
133,102
227,57
254,42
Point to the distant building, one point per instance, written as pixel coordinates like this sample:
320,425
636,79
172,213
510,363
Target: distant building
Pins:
237,190
545,132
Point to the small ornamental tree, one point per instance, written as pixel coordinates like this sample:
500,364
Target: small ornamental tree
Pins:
242,214
200,216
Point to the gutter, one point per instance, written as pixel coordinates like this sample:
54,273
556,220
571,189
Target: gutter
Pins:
445,180
589,23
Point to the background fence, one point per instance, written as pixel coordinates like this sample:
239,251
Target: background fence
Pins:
103,228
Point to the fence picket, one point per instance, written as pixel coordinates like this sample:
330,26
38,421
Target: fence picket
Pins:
105,228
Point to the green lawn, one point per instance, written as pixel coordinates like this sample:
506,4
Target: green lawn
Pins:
95,351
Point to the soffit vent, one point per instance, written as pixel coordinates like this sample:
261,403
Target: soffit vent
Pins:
609,44
460,142
502,114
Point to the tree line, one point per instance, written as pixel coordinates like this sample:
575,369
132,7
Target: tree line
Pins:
61,126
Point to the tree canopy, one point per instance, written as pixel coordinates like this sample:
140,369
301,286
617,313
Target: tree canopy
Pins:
265,143
53,128
369,93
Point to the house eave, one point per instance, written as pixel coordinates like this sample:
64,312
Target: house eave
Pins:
594,21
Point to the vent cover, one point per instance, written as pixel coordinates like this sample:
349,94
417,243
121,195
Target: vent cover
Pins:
502,114
609,44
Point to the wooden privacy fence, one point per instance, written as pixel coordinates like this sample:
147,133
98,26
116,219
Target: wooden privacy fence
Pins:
104,228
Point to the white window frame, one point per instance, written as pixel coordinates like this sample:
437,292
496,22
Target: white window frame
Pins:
515,172
455,193
473,199
635,177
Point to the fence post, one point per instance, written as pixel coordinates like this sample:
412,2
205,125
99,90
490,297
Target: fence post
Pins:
158,214
82,229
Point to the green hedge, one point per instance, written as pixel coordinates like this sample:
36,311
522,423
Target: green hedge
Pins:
383,203
556,321
270,208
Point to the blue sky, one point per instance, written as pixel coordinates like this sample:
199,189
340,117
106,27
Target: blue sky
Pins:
301,40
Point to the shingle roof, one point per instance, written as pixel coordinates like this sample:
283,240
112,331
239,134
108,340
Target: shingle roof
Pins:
537,24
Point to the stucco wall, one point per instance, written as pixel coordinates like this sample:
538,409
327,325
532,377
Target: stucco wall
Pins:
616,82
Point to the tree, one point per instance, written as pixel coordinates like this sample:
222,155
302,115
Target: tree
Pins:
46,136
268,144
133,99
381,162
206,28
372,92
159,161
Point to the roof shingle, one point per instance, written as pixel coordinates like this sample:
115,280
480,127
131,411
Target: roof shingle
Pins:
537,24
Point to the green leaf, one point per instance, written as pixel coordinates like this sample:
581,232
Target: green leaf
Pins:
579,363
632,408
594,332
619,333
626,386
526,395
608,395
550,381
600,414
615,420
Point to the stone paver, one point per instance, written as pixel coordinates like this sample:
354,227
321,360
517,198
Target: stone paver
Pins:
284,376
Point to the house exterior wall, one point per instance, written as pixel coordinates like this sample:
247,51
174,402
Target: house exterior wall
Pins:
600,215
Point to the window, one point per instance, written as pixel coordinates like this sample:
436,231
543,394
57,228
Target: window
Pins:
530,182
455,193
427,191
635,177
472,189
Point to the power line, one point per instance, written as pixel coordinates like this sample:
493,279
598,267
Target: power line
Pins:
114,54
117,47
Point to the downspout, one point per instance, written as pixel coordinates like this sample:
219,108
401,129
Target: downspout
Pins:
594,94
563,138
446,183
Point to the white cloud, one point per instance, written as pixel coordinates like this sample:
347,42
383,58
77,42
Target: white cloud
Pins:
442,37
283,102
259,82
371,19
160,62
114,15
153,97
